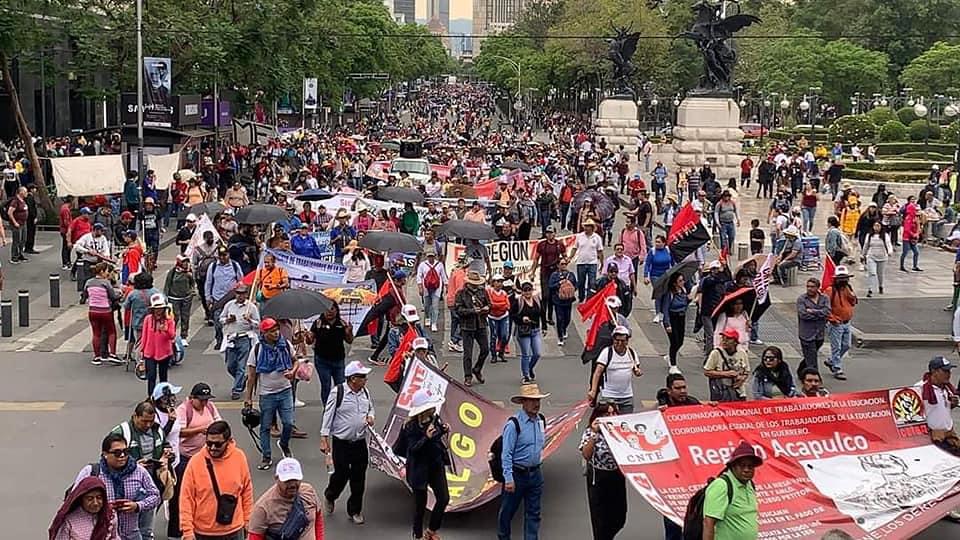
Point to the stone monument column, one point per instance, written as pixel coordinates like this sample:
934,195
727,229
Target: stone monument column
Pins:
708,131
617,122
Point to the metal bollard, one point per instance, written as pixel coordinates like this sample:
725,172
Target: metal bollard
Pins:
55,290
6,318
81,274
23,307
742,252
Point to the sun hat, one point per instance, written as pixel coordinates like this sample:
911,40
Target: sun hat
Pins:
842,271
355,368
589,223
497,276
342,214
792,231
474,278
528,391
289,469
409,312
424,400
745,451
165,388
731,333
241,288
158,301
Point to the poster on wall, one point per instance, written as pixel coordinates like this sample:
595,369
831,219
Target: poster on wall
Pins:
157,97
310,100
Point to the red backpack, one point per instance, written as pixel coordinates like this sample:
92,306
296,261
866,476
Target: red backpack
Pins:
431,281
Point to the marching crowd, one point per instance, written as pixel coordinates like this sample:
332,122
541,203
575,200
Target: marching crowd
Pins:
183,456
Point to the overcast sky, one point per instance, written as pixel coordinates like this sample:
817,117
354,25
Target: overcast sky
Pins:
459,9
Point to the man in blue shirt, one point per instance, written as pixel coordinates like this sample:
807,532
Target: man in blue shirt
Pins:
522,455
222,276
304,244
342,233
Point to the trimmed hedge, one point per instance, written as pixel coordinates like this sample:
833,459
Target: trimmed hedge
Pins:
923,129
895,166
933,156
906,115
951,133
853,128
892,131
885,176
901,148
881,115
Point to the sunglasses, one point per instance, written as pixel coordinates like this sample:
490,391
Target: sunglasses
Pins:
215,444
118,453
769,357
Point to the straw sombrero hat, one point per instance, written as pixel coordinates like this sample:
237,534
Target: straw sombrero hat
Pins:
528,391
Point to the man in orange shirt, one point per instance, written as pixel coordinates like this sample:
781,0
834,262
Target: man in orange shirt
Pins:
456,281
218,472
842,302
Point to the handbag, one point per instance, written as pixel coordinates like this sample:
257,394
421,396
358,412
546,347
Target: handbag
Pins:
305,371
226,502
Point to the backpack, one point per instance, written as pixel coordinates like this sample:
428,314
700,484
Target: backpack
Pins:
237,273
94,471
609,349
495,455
6,206
431,281
566,291
208,407
693,519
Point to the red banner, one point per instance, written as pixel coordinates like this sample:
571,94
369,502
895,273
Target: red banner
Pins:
861,462
475,423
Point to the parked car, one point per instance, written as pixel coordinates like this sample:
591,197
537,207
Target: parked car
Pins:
754,130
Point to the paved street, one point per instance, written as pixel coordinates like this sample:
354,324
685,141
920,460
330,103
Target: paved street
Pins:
60,406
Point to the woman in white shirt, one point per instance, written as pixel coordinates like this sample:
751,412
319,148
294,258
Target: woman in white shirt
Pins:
877,248
357,263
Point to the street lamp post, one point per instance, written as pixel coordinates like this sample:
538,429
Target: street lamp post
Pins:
516,65
810,107
655,103
951,110
764,105
921,111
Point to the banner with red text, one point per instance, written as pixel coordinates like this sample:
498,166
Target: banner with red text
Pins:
860,462
520,252
475,423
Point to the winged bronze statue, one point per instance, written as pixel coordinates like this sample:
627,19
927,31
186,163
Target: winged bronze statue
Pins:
621,49
712,31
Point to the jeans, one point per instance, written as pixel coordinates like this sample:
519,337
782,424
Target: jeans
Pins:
145,524
173,211
564,210
706,321
808,214
912,246
564,312
152,239
586,279
328,371
270,404
350,460
469,337
499,334
431,305
236,359
840,338
104,333
437,480
728,234
809,348
454,327
875,271
156,369
528,489
181,314
19,239
530,347
546,298
659,190
544,219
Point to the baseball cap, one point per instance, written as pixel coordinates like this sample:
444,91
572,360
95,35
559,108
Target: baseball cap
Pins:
409,312
267,324
191,218
355,368
164,388
421,343
621,330
86,210
714,264
289,469
731,333
940,362
98,225
201,390
508,264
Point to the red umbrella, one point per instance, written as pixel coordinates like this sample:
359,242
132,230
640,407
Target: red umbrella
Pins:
730,298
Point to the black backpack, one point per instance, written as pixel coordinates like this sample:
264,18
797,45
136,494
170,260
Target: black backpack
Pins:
4,214
495,455
693,520
94,471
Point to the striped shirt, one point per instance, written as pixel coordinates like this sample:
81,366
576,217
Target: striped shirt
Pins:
137,487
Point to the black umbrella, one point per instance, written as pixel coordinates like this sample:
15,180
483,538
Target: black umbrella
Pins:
260,214
469,230
296,304
516,165
211,209
688,269
314,195
390,242
600,203
400,195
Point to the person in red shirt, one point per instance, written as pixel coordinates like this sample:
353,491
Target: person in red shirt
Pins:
746,167
78,227
178,197
66,217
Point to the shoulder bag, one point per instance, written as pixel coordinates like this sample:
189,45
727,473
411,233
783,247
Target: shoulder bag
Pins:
226,502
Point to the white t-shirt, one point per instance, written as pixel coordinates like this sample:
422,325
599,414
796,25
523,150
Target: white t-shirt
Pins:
618,383
938,416
587,247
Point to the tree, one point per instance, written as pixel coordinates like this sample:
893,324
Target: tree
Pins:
848,68
934,71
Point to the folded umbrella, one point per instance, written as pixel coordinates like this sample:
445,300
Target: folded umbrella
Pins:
400,195
260,214
296,304
688,269
314,195
211,209
390,242
468,230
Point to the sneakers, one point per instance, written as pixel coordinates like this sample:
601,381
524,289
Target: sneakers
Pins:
65,267
560,342
328,505
869,293
116,360
284,450
454,347
97,361
426,321
433,327
674,370
948,307
917,269
839,375
184,342
357,519
756,342
954,516
298,403
657,319
666,358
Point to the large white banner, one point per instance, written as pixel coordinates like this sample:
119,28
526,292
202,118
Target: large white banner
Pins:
88,175
164,165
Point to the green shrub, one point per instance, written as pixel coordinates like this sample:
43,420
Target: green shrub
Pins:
881,115
921,130
892,131
917,149
853,128
906,115
897,165
951,133
933,156
885,176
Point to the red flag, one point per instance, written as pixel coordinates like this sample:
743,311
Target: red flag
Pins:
485,189
602,316
724,254
596,308
395,367
685,220
829,269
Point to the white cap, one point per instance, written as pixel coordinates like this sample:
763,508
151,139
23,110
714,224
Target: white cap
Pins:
162,388
421,343
409,312
612,302
158,301
792,231
424,399
955,235
355,368
191,217
714,264
621,330
289,469
842,271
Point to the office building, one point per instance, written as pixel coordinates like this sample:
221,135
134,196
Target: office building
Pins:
494,16
405,11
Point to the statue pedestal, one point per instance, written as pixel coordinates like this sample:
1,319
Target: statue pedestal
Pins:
708,131
617,122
